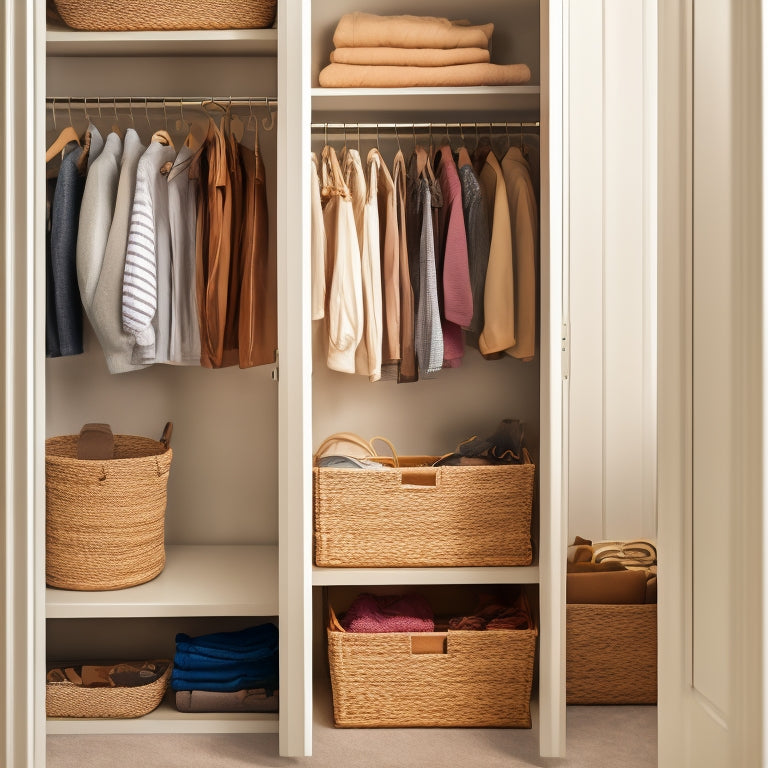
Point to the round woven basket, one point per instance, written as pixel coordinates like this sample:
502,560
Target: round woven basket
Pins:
136,15
105,519
71,700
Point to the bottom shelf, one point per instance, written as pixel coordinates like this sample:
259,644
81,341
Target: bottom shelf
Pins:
167,719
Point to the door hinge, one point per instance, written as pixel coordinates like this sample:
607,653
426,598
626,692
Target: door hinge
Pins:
276,369
565,351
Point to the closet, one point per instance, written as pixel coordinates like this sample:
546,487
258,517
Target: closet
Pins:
239,517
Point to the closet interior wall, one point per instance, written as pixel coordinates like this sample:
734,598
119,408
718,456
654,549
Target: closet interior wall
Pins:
223,486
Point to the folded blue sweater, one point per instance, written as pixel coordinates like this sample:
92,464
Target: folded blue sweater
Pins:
253,643
180,682
228,671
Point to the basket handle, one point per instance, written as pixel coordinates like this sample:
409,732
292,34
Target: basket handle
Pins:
333,622
165,438
366,445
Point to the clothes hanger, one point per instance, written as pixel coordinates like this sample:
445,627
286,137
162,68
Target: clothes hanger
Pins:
116,125
68,135
235,126
268,126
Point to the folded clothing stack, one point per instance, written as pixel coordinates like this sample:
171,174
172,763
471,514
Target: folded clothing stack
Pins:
227,671
611,573
414,51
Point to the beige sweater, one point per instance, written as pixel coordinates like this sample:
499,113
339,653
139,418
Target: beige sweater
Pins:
410,57
367,30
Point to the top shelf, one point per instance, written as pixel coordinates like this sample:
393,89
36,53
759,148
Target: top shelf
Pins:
62,41
481,103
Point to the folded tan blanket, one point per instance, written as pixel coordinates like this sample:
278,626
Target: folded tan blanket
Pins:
252,700
634,553
353,76
366,30
410,57
611,587
580,553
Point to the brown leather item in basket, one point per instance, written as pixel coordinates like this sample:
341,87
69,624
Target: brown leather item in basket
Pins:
105,518
138,15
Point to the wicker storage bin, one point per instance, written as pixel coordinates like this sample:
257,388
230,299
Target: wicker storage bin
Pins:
610,654
71,700
423,516
105,519
136,15
387,680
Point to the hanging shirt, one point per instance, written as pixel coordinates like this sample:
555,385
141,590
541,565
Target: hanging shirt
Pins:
368,354
390,263
51,328
499,328
408,371
318,246
257,329
182,212
478,236
65,215
429,337
524,217
147,279
96,214
344,310
106,307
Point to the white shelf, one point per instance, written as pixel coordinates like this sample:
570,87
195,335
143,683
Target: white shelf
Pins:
234,580
228,42
472,104
166,719
332,577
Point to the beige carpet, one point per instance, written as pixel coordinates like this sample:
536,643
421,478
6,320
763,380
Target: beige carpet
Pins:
614,737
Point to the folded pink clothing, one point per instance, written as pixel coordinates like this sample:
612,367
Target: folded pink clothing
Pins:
389,613
410,57
458,75
366,30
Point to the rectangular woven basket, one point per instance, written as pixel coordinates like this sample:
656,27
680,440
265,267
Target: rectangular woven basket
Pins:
611,654
423,516
143,15
481,679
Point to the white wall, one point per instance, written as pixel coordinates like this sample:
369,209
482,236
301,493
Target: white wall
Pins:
612,296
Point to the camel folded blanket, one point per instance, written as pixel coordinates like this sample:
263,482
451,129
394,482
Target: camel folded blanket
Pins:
369,30
410,57
611,587
353,76
634,553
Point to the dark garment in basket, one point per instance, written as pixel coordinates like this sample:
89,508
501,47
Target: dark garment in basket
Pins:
65,216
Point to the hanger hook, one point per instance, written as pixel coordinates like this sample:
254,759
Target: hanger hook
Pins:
269,121
69,110
358,138
85,109
165,115
53,111
98,105
325,133
397,136
378,145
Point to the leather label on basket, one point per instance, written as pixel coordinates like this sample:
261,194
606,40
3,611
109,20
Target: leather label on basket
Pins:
429,642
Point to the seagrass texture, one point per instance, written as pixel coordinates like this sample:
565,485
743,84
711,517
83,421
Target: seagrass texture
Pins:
71,700
477,515
135,15
483,680
105,520
610,654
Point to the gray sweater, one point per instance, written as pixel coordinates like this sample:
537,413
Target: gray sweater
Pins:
107,300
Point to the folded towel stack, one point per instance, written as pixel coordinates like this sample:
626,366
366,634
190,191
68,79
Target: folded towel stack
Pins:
243,664
414,51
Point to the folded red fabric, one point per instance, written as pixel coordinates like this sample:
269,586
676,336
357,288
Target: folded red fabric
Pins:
389,613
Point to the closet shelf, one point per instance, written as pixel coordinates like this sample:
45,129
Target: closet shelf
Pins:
228,42
480,103
198,580
331,577
166,719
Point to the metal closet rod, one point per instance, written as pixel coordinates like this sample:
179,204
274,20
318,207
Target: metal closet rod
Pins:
440,124
159,102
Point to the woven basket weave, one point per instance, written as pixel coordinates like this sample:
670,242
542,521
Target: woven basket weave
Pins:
105,520
482,680
610,654
135,15
423,516
71,700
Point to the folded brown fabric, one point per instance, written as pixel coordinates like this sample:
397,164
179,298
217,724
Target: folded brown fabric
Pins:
578,540
637,553
253,700
611,588
467,75
366,30
579,553
651,594
583,567
410,57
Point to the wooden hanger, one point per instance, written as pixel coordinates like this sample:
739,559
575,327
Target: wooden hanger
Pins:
68,135
163,137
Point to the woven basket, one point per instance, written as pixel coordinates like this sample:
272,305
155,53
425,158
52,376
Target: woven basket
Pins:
105,520
423,516
482,679
135,15
71,700
610,654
